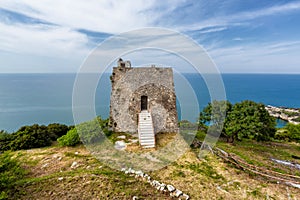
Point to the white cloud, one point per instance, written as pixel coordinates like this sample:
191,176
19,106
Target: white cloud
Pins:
110,16
41,40
62,40
237,39
277,9
40,48
215,29
252,58
240,18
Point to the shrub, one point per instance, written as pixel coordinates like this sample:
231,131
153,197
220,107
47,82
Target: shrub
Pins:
28,137
5,139
10,171
57,130
70,139
93,131
294,131
296,119
282,134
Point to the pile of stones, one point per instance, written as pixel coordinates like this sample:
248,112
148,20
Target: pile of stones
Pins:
173,192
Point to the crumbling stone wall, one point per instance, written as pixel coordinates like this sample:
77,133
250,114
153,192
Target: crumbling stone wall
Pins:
129,84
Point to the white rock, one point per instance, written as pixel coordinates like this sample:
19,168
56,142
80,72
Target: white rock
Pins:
135,198
74,164
123,169
45,165
138,172
171,188
162,187
122,137
156,183
185,196
60,178
76,153
178,193
120,145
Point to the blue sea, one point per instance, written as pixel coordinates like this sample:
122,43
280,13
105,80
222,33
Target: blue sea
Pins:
27,99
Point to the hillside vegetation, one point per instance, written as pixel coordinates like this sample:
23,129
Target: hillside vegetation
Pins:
72,173
50,162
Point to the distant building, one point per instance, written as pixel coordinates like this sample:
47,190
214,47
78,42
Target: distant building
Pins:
143,100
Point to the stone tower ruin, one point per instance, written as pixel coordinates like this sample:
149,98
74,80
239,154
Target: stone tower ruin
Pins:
142,97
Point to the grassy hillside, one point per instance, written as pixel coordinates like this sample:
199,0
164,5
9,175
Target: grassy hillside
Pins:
72,173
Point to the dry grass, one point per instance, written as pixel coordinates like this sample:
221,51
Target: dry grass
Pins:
208,178
90,179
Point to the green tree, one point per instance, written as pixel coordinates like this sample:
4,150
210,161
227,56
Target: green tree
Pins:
250,120
246,119
294,131
215,114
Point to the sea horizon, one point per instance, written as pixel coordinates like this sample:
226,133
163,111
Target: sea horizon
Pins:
44,98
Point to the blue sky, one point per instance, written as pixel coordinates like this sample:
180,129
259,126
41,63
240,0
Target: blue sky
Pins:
240,36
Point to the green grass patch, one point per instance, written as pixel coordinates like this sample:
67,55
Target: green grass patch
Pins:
206,170
10,172
114,137
260,153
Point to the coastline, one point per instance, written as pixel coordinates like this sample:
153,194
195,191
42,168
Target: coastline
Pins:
291,115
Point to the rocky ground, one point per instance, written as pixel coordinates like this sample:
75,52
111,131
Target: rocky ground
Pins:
72,173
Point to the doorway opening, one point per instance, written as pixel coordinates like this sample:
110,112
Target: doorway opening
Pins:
144,102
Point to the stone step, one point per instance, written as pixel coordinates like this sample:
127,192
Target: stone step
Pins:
146,125
148,143
144,114
148,146
142,143
146,131
146,138
144,121
150,131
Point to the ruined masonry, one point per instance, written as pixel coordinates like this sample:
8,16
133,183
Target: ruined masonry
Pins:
143,101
